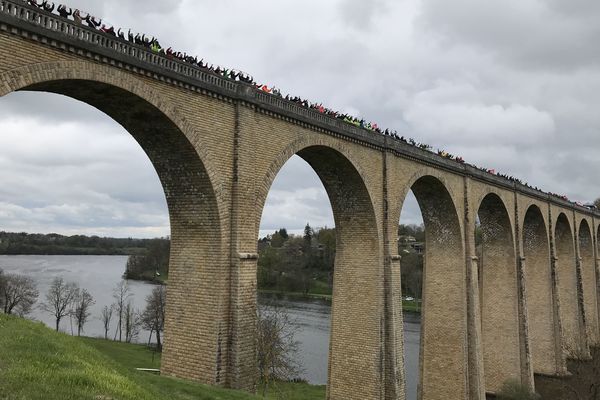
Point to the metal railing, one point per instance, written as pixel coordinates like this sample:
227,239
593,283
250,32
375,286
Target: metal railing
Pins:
26,13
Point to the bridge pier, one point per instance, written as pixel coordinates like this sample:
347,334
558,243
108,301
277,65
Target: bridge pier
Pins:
589,282
500,310
566,271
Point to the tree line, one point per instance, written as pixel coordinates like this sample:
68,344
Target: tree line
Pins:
287,263
150,265
304,264
55,244
294,263
290,263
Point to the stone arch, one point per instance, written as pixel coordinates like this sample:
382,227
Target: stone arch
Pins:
536,251
566,271
185,172
357,304
498,288
443,320
294,148
588,280
32,77
431,173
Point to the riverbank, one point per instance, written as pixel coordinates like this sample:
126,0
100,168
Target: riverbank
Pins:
407,306
39,363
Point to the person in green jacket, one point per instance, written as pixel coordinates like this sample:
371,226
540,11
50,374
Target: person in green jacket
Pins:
155,47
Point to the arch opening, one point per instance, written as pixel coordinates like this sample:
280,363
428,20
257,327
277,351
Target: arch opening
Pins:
566,270
354,328
192,207
589,283
498,300
540,302
443,315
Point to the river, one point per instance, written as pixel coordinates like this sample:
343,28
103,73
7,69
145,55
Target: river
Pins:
100,274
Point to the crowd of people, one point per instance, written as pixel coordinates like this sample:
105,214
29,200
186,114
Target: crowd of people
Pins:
154,45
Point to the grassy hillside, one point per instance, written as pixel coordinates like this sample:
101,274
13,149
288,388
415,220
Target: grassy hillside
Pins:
38,363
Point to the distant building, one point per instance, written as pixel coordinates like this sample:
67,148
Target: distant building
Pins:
405,239
419,248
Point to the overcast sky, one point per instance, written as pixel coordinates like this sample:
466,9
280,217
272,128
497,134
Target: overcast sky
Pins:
511,85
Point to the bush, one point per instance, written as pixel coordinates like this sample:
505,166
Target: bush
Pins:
514,390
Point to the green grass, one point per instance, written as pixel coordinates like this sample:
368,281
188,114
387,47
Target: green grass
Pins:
38,363
411,306
294,391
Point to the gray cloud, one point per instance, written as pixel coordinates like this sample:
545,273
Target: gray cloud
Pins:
509,85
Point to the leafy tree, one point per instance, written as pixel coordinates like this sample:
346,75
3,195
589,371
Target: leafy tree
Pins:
292,277
82,303
597,203
308,235
283,233
412,261
268,264
152,263
59,299
18,293
153,317
278,238
416,231
298,264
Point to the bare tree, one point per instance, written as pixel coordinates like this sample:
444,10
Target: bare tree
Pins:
59,299
2,280
132,321
19,293
153,317
276,346
106,316
81,308
121,294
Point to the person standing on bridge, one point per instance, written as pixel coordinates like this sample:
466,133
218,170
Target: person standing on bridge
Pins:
155,47
77,17
47,7
92,23
110,31
62,11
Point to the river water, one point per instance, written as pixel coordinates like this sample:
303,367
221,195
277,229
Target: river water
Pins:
100,274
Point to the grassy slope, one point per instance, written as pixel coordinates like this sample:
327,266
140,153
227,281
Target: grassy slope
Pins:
38,363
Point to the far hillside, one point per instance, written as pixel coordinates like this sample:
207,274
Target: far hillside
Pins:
55,244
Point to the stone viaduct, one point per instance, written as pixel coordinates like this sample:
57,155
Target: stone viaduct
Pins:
217,145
